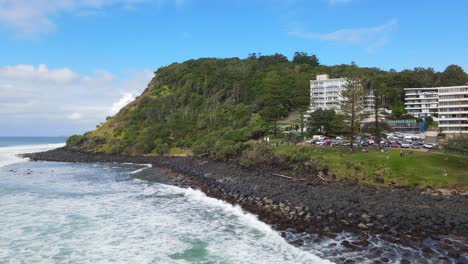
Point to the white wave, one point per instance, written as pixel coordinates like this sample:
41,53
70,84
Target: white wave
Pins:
8,155
81,214
274,239
141,169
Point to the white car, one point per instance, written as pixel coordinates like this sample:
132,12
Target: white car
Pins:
429,145
406,144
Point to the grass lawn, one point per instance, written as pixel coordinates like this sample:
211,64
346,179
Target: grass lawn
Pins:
423,168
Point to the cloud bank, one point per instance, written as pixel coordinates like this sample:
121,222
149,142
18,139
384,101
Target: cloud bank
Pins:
60,101
32,17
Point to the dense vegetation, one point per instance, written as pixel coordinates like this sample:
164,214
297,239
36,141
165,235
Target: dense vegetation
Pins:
214,106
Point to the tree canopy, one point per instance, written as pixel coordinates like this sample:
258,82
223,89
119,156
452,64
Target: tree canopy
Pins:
214,106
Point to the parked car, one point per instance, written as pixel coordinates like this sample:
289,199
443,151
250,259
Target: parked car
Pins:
394,145
406,144
416,146
429,145
319,143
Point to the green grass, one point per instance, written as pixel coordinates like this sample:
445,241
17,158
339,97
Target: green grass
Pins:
415,167
175,151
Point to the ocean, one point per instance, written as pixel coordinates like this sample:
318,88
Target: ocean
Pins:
102,213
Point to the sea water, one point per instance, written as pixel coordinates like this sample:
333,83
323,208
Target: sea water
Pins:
100,213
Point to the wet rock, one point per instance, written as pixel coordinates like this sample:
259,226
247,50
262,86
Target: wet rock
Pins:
384,259
454,253
362,243
427,250
348,244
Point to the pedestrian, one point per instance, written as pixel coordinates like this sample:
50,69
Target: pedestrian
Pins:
401,153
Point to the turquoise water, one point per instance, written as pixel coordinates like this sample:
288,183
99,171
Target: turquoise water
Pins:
99,213
24,141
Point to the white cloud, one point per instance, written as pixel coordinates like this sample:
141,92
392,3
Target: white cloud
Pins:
39,73
123,101
75,116
31,17
54,99
370,38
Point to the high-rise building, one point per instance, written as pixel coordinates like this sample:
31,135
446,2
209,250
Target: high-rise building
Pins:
453,109
421,102
448,104
325,93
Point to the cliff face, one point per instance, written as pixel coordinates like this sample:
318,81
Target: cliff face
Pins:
208,106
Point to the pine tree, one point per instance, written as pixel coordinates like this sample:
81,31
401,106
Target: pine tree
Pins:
352,104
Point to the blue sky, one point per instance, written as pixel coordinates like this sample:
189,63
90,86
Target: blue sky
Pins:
66,64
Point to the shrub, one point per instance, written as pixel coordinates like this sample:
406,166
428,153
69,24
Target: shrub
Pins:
224,149
161,147
256,154
75,140
458,144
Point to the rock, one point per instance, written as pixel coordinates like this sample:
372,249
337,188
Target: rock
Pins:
405,261
444,258
347,244
344,222
453,253
365,217
384,259
379,180
362,226
362,243
297,242
427,250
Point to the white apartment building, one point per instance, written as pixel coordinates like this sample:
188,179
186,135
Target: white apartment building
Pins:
421,102
453,109
325,93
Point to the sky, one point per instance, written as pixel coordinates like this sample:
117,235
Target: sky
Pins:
65,65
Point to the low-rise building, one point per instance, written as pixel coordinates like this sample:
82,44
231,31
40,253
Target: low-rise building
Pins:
404,125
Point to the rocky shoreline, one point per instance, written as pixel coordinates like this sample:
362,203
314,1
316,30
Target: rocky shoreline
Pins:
401,215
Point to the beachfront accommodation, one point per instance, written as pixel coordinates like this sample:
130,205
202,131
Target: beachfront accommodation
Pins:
448,104
325,93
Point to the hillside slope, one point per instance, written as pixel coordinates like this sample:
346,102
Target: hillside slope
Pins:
213,106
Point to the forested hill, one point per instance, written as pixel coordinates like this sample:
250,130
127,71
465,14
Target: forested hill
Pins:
213,106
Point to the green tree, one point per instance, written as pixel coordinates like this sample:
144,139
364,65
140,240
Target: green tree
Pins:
454,75
304,58
322,121
275,100
352,104
376,86
398,111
